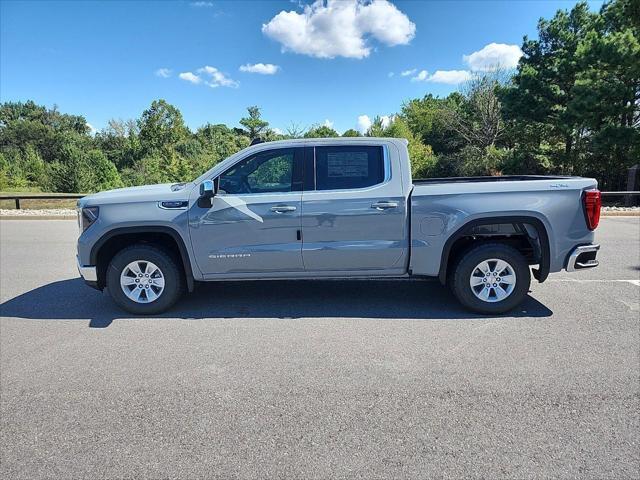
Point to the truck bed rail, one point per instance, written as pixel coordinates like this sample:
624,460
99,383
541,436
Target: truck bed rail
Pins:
501,178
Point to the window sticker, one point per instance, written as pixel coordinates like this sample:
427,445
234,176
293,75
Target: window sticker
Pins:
347,164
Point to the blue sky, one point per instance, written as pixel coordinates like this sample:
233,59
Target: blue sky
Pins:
335,61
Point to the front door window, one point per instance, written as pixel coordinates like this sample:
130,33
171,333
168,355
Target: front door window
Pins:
265,172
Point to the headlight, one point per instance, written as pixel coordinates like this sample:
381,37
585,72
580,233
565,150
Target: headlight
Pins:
88,216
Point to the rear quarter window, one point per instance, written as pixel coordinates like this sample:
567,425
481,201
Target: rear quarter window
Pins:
348,167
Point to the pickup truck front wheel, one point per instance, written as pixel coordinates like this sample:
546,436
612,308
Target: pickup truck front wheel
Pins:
144,280
491,278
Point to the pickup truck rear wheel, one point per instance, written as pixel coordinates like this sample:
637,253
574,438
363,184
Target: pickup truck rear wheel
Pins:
144,280
491,278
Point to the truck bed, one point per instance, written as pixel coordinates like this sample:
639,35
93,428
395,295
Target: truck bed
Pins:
442,206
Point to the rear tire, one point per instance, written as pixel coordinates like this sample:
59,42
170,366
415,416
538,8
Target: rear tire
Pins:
491,278
144,280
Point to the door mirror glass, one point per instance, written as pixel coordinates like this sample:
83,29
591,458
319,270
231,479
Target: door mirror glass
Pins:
207,189
207,192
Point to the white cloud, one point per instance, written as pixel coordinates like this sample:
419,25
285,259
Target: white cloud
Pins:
406,73
340,28
210,76
421,77
363,124
217,78
190,77
163,72
201,4
261,68
92,129
492,56
328,123
449,77
277,131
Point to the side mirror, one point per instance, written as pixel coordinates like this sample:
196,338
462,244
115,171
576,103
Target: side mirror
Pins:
207,189
207,192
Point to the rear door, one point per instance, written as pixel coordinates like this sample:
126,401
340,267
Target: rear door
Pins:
253,226
354,215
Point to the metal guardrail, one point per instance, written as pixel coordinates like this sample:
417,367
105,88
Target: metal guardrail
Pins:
620,193
72,196
17,198
627,194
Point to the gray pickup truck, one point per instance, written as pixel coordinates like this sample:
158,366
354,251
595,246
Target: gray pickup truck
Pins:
336,208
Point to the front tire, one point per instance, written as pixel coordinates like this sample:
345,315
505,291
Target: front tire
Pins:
492,278
144,280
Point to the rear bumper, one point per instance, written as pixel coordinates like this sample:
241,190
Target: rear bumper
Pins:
88,273
582,257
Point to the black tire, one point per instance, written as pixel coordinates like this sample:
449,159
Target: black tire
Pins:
171,270
467,263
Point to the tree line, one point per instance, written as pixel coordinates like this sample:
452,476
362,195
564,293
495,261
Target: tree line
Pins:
571,107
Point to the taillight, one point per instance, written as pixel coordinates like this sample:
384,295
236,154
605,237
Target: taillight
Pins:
592,201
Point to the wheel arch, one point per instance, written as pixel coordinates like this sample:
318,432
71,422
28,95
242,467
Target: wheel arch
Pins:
116,237
541,242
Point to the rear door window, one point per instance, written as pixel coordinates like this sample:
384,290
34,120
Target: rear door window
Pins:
349,167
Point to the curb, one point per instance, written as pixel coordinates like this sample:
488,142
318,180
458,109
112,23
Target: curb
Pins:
620,213
37,217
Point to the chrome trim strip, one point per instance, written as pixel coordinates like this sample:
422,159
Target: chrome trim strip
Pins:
89,273
571,262
387,163
173,208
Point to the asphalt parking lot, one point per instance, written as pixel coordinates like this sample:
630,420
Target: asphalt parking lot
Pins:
317,379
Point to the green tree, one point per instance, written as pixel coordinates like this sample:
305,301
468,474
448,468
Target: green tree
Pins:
543,87
161,127
575,97
351,133
321,131
427,116
377,128
421,156
71,175
294,130
120,142
607,93
218,142
4,173
102,174
254,124
477,117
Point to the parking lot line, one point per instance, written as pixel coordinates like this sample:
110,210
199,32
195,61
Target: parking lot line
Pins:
577,280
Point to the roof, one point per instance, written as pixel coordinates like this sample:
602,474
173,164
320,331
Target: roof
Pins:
336,140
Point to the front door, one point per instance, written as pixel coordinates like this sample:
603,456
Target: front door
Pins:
254,223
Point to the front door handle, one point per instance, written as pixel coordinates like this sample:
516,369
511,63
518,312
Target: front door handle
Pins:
384,205
283,208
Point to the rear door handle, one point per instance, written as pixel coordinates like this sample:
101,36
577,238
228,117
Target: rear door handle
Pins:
283,208
384,205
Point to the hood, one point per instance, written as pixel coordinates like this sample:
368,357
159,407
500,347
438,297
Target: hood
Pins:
143,193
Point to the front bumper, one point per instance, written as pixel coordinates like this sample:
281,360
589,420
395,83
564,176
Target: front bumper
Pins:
582,257
89,273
